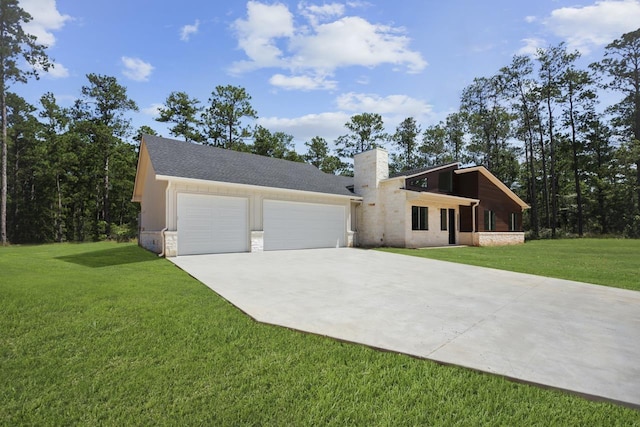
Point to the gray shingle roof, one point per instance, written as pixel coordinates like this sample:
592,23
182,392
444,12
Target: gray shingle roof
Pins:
182,159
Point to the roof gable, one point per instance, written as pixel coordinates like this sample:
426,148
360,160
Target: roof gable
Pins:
495,181
180,159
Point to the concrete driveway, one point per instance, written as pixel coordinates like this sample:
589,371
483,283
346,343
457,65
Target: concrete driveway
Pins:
568,335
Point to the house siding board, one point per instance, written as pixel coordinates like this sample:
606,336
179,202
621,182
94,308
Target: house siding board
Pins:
494,199
466,185
152,204
466,219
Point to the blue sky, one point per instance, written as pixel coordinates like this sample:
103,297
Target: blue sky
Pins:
309,65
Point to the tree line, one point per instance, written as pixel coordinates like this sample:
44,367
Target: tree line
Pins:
538,124
68,172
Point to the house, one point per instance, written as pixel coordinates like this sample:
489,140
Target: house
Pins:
198,199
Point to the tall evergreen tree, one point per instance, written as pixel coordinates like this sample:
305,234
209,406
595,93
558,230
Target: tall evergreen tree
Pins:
405,138
59,155
184,111
319,156
366,131
519,86
223,119
553,63
102,111
15,46
434,145
579,99
621,63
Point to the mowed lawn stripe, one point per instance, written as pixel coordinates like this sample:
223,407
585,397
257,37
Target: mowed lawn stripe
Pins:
110,334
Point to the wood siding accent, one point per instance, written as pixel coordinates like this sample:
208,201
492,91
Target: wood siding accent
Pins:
466,185
466,219
494,199
432,180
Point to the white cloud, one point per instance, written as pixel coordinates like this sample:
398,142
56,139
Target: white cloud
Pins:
153,110
270,39
530,19
531,45
136,69
330,125
46,19
257,35
595,25
58,71
353,41
188,30
392,105
316,14
302,82
55,71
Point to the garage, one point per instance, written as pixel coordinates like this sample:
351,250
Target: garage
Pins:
295,225
212,224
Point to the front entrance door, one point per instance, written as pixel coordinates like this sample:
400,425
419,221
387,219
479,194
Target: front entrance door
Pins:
452,226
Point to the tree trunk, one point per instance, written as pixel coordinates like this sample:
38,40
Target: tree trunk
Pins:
3,196
545,183
552,154
576,174
105,201
535,222
59,233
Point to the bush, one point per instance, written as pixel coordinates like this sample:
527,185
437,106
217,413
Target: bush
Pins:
122,233
632,230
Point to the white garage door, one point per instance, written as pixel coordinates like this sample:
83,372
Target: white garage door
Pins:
291,225
212,224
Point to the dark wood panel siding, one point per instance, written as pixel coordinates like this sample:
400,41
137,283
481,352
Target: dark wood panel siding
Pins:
466,219
494,199
432,180
466,184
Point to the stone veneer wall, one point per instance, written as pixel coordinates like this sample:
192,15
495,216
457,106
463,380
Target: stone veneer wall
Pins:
370,167
494,238
257,241
151,240
352,239
170,243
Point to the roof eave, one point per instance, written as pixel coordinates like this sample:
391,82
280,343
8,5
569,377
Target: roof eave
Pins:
250,186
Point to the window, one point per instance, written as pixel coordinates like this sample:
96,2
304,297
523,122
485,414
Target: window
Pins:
443,219
489,220
514,221
445,181
419,218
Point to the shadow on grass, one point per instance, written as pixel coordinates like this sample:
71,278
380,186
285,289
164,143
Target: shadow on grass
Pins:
110,257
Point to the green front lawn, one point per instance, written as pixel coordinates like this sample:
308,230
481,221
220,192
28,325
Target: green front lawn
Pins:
109,334
609,262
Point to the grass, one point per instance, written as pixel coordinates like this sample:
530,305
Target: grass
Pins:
609,262
109,334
